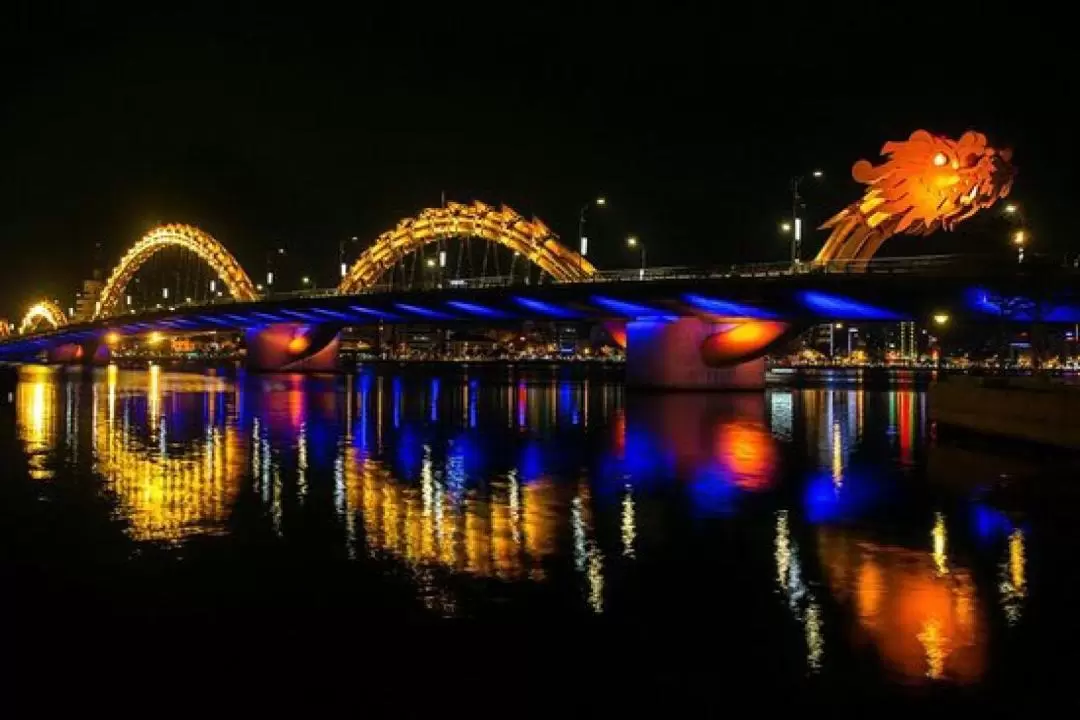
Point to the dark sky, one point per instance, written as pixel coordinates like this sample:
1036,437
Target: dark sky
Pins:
306,127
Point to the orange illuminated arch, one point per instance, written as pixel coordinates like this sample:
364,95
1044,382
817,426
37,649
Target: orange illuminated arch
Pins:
189,238
45,311
503,225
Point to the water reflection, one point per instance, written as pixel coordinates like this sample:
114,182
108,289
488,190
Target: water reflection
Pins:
544,481
176,473
721,443
36,401
800,599
1013,585
923,623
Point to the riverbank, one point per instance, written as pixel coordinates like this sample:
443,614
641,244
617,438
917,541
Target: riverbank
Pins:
1031,409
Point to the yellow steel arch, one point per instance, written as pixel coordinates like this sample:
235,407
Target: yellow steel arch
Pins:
532,239
45,310
188,237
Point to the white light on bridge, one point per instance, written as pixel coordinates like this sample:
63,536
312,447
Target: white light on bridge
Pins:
165,293
584,246
269,278
442,258
344,269
213,286
129,300
798,229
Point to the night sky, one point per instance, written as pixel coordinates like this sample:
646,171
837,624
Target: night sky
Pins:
306,128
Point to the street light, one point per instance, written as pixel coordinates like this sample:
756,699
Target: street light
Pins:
341,256
305,280
796,221
1019,238
633,242
270,265
583,240
941,319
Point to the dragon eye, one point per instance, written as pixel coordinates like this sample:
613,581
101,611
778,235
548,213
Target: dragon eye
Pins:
940,159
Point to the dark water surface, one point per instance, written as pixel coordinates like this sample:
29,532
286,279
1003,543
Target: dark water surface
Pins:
535,533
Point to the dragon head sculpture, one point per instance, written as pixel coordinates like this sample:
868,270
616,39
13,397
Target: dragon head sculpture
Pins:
927,182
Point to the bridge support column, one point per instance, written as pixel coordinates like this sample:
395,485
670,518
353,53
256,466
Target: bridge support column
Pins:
667,355
288,347
91,352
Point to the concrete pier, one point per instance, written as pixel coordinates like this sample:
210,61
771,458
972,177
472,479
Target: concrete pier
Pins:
668,355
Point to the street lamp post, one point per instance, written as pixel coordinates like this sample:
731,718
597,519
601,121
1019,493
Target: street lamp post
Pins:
429,263
583,239
633,242
270,267
941,320
341,256
1020,236
796,221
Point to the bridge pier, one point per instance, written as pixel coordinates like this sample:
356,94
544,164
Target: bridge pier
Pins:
91,352
670,354
293,347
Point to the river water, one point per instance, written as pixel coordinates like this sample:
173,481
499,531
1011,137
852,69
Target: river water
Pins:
815,539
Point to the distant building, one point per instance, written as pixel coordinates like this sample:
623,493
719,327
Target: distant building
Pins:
86,300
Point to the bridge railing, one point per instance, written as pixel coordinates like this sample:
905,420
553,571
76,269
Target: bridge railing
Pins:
924,264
